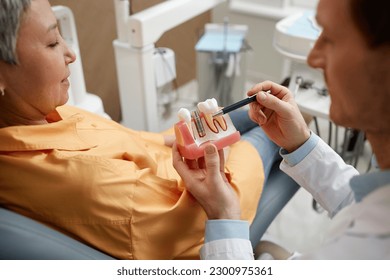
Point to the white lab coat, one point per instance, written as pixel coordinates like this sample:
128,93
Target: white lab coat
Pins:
358,231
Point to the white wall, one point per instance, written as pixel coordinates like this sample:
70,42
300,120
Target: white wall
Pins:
261,16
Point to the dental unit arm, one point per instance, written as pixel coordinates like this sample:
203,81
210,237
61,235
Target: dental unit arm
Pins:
134,51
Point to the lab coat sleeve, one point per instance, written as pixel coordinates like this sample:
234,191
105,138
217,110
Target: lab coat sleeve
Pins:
227,240
325,175
227,249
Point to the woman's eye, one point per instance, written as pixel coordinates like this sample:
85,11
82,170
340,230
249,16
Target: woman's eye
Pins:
53,45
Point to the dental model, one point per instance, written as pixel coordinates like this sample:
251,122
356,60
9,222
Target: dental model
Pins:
199,127
208,108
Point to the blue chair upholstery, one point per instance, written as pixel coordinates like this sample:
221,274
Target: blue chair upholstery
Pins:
22,238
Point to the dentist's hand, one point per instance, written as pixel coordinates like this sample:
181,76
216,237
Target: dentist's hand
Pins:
206,181
278,115
169,140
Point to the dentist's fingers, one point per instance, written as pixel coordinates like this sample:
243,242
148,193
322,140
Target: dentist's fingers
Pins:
178,163
279,115
276,89
192,163
177,160
212,160
269,107
221,154
169,139
256,113
278,102
209,186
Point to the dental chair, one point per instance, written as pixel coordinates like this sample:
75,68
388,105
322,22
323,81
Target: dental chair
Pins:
22,238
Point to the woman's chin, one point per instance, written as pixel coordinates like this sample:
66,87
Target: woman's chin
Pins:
64,99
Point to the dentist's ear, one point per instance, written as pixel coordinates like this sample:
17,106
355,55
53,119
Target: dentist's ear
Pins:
2,86
2,90
2,78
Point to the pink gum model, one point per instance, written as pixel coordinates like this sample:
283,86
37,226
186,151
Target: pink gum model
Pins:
191,145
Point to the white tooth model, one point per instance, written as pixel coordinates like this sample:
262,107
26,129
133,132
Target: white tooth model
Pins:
194,130
208,108
185,116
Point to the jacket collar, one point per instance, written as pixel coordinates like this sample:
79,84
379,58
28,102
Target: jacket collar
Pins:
60,133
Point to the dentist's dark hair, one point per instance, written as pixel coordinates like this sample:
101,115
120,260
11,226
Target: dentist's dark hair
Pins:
373,20
11,14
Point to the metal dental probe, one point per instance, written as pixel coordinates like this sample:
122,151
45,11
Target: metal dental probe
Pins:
236,105
298,83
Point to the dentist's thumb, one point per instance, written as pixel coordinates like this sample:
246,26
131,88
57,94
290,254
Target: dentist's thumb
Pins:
211,158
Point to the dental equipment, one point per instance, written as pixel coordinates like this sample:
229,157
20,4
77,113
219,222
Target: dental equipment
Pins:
134,55
221,56
298,83
308,84
236,105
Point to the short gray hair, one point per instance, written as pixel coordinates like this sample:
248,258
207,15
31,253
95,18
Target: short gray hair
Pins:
11,13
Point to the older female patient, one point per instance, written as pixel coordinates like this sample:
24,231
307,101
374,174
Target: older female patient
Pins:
106,185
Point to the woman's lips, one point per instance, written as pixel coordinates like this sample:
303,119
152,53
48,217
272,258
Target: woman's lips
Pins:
65,81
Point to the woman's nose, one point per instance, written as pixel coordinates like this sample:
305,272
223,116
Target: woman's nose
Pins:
70,55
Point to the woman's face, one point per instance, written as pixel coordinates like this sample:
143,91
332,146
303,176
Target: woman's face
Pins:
39,82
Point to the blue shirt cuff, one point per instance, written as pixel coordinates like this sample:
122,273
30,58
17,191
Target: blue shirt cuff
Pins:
299,154
226,229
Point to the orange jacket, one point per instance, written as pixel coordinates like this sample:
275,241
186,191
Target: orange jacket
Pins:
111,187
